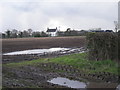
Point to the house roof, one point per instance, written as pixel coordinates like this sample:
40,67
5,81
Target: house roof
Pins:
51,30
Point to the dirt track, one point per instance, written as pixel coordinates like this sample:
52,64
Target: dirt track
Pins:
10,45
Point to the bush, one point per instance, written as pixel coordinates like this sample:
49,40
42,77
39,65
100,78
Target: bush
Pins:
103,46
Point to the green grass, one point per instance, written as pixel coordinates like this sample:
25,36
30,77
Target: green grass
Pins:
79,61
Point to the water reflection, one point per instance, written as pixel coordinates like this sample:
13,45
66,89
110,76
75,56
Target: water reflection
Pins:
36,51
118,87
68,83
50,50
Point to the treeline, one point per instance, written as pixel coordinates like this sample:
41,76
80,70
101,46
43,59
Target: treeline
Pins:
20,34
30,33
72,33
104,46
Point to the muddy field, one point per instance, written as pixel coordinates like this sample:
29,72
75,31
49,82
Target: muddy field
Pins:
37,76
21,77
10,45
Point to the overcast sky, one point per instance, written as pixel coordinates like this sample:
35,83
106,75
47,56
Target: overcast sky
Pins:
40,14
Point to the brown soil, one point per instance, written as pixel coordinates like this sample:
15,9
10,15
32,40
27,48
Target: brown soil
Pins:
10,45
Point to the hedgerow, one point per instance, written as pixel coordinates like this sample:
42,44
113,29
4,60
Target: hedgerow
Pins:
103,46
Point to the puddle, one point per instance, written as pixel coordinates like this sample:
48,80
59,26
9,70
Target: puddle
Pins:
67,82
43,51
36,51
118,87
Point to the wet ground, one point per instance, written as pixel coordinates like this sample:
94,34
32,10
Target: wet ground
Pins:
33,54
67,82
19,44
38,76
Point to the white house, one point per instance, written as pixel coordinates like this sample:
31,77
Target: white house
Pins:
52,32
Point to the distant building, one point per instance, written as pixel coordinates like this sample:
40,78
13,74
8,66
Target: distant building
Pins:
119,15
52,32
96,30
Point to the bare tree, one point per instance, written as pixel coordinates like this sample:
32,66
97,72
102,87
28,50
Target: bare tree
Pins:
25,33
30,32
20,34
14,33
8,32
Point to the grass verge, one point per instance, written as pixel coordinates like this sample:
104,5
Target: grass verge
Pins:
79,61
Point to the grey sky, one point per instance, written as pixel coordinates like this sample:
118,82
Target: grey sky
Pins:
38,15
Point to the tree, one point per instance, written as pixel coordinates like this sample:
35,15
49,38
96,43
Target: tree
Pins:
30,32
36,34
25,33
20,34
68,29
43,34
8,32
14,33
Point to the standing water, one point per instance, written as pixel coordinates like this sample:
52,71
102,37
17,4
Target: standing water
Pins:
36,51
68,83
50,50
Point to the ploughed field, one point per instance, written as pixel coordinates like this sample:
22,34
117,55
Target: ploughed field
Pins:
10,45
19,44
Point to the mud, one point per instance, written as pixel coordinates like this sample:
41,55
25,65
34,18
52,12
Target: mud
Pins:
29,57
20,44
37,76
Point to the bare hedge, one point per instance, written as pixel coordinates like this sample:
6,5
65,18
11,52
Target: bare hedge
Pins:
103,46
